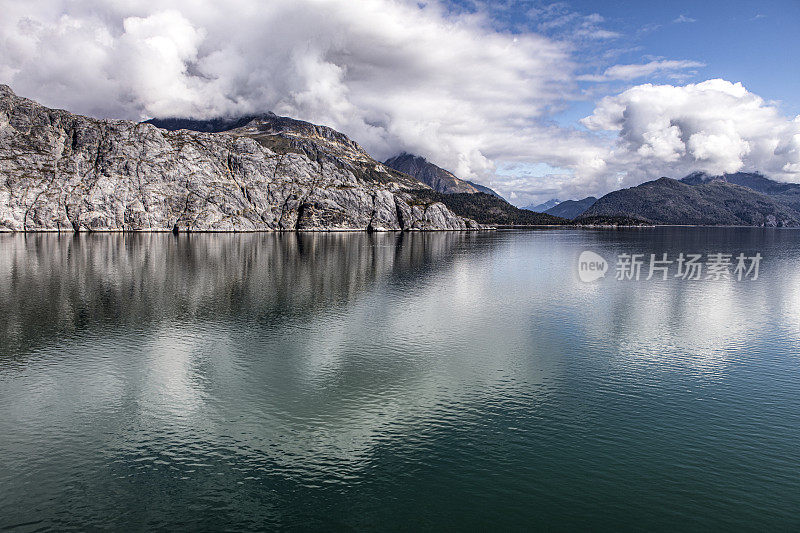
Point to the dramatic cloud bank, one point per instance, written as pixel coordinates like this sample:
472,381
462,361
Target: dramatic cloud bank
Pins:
715,126
393,75
397,75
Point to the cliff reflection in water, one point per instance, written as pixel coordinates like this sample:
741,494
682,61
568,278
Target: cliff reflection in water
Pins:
53,285
435,381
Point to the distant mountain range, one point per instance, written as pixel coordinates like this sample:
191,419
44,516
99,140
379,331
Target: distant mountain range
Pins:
740,199
541,208
465,198
571,208
488,209
737,199
270,173
789,192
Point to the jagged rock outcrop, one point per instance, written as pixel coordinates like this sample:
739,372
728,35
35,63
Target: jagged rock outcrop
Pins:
64,172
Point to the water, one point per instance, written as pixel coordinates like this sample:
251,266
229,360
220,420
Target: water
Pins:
437,381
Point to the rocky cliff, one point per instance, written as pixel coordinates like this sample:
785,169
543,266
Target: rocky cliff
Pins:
65,172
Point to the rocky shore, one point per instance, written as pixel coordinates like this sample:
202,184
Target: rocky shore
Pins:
69,173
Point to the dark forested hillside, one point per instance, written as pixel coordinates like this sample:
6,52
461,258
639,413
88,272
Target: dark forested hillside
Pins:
488,209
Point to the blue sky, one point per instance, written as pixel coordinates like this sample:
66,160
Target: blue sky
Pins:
752,42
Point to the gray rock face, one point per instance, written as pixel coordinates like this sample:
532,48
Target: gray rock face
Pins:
65,172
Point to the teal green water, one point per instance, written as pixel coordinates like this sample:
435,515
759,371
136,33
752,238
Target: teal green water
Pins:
395,382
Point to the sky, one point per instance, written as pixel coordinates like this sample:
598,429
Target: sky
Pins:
535,99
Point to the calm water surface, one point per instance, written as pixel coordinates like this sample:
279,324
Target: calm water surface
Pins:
352,381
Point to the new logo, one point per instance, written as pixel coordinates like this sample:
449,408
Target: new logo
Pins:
591,267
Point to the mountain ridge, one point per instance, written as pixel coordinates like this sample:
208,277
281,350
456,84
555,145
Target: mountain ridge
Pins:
571,208
700,200
66,172
542,207
473,201
485,189
436,177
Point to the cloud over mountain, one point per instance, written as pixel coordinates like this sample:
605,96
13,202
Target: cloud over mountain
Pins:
715,126
393,75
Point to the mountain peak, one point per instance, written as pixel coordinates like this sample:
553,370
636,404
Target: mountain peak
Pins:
752,180
740,199
544,206
276,132
571,209
232,181
439,179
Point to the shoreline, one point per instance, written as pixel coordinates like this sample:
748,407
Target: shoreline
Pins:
498,227
4,231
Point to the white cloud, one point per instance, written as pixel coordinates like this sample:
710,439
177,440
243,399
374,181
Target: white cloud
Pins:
683,19
391,74
560,20
715,126
631,72
648,28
